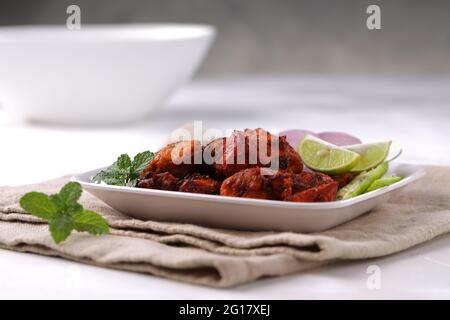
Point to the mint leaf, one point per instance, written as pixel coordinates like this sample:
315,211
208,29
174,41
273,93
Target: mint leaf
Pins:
38,204
112,176
74,208
124,172
57,201
132,183
65,207
109,176
91,222
63,212
60,227
70,193
141,160
123,162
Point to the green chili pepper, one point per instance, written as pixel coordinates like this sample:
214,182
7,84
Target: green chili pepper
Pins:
383,182
362,182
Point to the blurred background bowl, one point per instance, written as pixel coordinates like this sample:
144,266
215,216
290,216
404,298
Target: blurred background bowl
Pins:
99,74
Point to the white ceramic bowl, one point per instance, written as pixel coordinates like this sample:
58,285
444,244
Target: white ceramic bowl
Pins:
99,74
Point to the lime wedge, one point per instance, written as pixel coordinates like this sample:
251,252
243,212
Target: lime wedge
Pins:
323,156
372,154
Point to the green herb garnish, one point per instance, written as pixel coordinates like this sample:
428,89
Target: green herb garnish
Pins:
63,212
124,172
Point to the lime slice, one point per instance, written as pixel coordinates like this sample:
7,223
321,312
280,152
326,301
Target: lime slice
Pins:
372,154
323,156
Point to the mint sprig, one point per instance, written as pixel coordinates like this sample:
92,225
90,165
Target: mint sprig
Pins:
124,172
63,212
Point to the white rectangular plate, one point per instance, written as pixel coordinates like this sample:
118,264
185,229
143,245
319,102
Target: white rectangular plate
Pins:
241,213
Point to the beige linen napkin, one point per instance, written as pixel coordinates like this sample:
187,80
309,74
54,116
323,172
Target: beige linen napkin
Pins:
224,258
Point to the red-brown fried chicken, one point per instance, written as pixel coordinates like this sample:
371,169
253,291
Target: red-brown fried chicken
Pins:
312,187
247,183
186,167
282,185
343,179
249,149
161,181
179,158
197,183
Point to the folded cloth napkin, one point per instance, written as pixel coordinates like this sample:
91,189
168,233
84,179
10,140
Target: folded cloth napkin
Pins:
224,258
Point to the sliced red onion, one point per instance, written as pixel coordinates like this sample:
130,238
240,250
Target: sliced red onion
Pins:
294,136
339,138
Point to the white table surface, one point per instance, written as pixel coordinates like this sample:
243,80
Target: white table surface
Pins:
413,111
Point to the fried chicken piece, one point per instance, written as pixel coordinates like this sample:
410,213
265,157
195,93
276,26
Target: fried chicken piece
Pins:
161,181
195,183
249,149
198,183
282,185
313,187
307,180
179,158
247,183
343,179
321,193
303,187
212,156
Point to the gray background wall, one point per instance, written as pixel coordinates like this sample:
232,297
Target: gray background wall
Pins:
284,36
